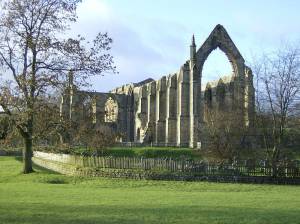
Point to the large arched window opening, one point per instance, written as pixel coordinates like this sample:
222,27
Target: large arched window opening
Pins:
215,66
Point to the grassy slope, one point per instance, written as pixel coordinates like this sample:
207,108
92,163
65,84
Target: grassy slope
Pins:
38,198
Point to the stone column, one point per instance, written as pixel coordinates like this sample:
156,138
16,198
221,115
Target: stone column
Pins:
148,102
137,112
191,107
75,100
195,90
162,112
183,120
171,105
193,96
130,116
144,107
157,111
249,97
178,114
64,107
239,88
152,111
168,86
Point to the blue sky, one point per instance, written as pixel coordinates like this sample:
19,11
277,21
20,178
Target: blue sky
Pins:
152,37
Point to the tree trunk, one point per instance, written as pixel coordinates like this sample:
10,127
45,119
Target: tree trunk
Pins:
275,158
27,156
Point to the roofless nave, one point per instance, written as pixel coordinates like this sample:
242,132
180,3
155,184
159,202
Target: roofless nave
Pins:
170,111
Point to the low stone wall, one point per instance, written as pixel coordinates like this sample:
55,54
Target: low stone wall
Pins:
74,170
58,167
62,158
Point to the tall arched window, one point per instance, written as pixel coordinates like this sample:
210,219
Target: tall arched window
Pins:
111,110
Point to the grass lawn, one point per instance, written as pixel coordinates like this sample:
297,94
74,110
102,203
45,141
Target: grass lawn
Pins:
145,152
45,197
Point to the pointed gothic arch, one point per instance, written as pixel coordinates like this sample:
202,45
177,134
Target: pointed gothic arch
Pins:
219,38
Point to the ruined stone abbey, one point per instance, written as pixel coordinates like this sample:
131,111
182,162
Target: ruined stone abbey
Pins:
169,111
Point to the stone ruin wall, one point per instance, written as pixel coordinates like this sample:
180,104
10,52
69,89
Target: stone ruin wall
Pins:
170,111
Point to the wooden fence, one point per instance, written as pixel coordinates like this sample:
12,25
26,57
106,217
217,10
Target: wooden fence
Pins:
242,168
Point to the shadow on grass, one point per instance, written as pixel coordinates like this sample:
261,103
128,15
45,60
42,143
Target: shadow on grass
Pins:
37,167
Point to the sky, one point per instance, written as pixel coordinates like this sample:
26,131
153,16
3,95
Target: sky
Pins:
151,38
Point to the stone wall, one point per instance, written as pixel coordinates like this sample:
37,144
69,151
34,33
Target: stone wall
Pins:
65,164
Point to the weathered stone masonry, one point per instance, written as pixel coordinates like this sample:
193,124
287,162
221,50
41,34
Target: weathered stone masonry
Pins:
170,111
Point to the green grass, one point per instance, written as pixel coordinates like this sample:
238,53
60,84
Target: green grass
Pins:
156,152
46,197
146,152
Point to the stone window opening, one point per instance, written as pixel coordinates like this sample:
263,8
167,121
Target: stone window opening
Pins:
111,111
86,106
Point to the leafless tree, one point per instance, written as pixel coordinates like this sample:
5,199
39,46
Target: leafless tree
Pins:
35,59
227,137
278,94
94,137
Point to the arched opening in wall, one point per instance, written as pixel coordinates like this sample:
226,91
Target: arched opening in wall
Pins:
215,66
87,107
111,111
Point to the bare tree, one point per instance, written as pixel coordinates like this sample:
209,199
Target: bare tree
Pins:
278,86
95,135
227,137
35,59
47,121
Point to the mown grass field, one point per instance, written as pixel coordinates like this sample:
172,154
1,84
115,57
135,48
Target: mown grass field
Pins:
45,197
